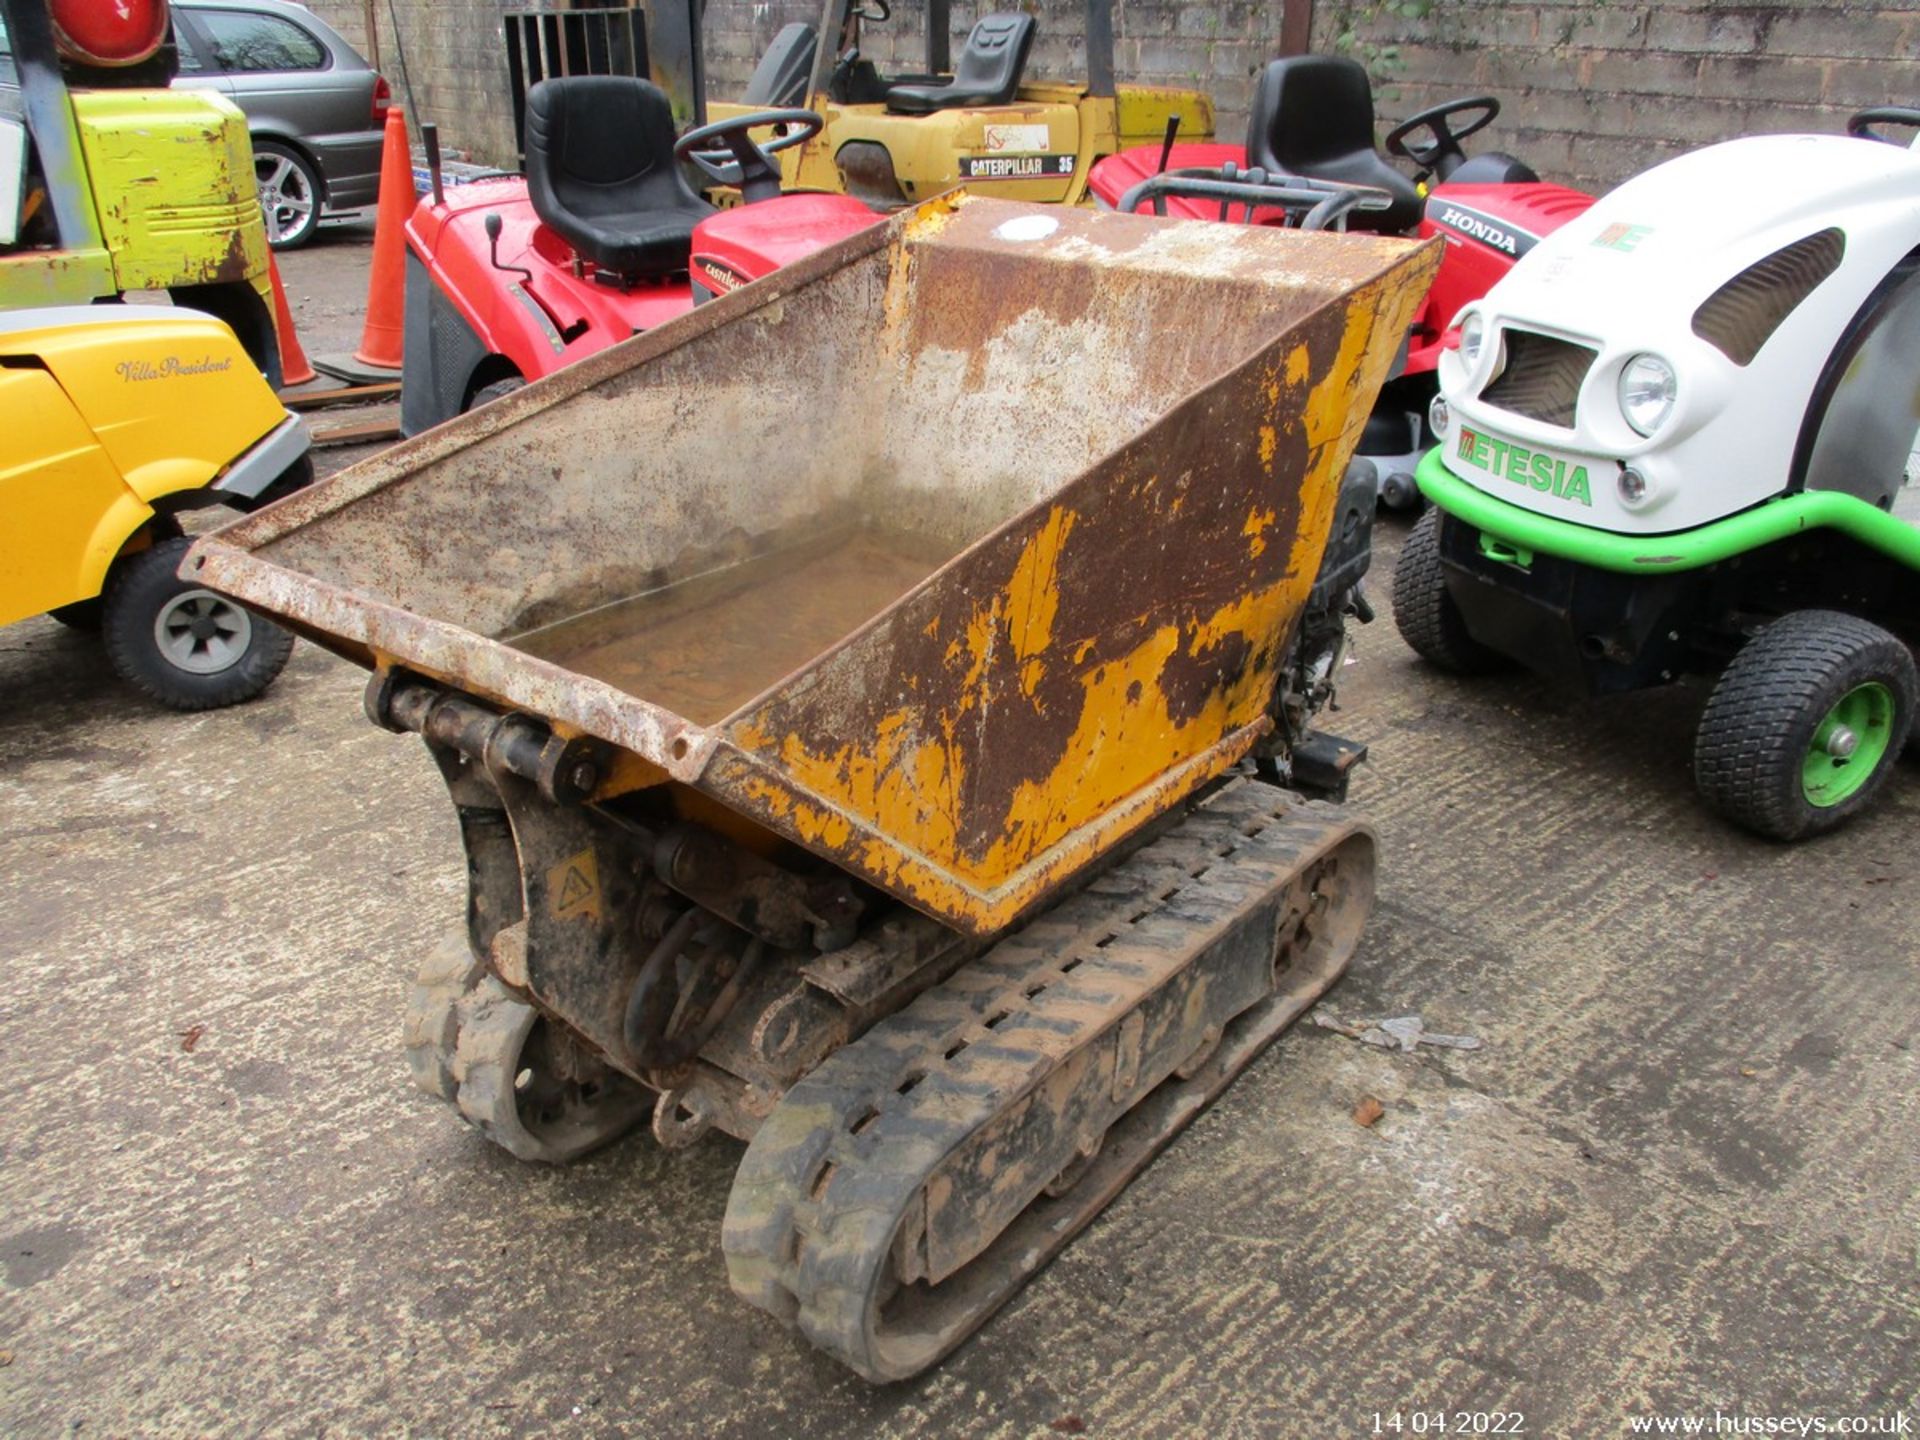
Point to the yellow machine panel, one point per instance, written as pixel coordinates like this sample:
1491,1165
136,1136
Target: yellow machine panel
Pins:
1041,148
173,175
112,410
56,486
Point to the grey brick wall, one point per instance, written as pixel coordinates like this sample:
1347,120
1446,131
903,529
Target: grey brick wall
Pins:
455,60
1594,89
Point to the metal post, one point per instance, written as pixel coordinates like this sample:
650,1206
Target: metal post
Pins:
1100,47
1296,27
370,19
939,37
675,59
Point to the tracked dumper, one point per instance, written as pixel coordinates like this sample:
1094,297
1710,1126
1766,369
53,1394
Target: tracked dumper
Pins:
854,697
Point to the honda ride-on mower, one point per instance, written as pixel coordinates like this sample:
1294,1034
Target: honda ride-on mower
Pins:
1312,118
512,278
1677,440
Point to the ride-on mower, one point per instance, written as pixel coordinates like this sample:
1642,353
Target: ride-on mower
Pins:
1676,441
117,420
512,278
1312,117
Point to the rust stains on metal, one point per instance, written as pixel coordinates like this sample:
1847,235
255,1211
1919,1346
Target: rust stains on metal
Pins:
1127,434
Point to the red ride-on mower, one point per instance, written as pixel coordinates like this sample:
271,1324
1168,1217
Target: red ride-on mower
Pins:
1312,116
512,278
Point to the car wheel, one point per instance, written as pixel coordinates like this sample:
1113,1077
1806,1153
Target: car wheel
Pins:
181,644
1424,613
1805,725
289,193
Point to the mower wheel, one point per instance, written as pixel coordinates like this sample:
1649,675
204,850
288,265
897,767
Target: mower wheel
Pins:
1424,613
183,645
1805,725
487,394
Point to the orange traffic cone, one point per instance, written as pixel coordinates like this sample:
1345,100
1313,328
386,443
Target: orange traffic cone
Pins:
380,340
294,369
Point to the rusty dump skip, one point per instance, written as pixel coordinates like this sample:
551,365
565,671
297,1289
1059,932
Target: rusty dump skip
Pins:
954,553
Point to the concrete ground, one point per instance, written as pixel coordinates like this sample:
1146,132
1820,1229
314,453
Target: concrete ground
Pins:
1681,1175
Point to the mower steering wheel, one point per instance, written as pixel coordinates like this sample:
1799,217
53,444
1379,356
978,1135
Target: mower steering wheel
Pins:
1446,140
1861,126
730,156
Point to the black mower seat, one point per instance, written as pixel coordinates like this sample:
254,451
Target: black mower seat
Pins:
601,174
988,72
1491,167
1313,115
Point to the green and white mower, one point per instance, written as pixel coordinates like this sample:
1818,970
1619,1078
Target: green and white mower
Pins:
1677,440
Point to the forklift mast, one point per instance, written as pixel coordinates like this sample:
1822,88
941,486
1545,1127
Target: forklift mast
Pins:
50,121
141,187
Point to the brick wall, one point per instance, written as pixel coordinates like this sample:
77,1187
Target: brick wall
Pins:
455,60
1594,92
1594,89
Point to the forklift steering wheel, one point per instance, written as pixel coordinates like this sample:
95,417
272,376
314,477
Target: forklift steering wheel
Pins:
1446,140
1862,126
730,156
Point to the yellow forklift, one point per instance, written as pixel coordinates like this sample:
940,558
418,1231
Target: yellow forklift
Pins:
116,183
893,139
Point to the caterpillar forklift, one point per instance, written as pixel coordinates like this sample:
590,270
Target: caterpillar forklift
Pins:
116,183
892,139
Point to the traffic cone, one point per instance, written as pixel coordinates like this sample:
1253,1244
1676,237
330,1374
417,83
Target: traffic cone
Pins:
294,369
386,285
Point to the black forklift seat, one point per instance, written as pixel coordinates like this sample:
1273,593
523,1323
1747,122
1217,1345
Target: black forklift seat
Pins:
601,173
1313,115
780,79
988,72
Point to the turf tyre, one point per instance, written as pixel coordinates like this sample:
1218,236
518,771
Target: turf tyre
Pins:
1424,613
1756,736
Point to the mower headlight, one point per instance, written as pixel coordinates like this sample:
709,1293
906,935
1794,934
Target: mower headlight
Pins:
1473,335
1439,417
1648,388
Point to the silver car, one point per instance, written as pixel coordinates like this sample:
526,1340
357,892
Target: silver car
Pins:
314,106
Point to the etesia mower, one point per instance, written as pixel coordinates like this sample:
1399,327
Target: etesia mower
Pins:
1677,441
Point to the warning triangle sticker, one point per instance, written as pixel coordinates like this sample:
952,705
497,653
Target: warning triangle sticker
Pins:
575,888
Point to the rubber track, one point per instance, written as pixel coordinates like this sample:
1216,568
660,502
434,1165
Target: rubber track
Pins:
825,1184
432,1028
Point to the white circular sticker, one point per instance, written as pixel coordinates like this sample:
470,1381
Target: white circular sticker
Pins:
1026,227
